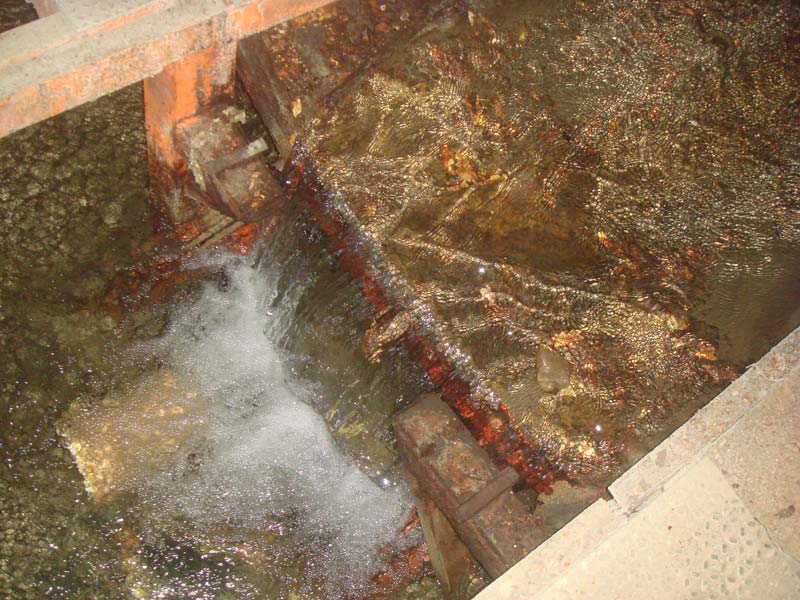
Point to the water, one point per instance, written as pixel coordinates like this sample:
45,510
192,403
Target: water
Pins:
76,229
14,13
617,181
246,452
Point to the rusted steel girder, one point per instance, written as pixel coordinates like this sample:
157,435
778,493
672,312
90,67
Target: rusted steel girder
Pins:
465,484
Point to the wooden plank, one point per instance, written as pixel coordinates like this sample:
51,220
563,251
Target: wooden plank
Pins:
452,468
451,559
236,157
506,480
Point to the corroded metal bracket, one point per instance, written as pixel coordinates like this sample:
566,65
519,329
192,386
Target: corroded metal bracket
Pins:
498,486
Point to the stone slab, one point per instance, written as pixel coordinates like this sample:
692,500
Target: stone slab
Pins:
696,540
88,49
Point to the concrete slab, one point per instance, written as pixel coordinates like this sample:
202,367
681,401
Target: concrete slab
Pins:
696,540
89,48
574,542
760,457
45,8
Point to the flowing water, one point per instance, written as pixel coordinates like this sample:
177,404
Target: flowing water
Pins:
223,443
615,181
234,442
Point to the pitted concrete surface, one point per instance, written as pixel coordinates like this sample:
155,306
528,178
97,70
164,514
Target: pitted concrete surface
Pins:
712,512
696,539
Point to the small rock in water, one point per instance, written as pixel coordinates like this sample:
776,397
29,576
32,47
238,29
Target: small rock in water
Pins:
552,371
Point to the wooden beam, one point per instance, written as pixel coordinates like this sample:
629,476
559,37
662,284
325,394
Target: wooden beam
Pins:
450,558
453,470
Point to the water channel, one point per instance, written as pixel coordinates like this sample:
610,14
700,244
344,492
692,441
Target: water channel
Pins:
212,430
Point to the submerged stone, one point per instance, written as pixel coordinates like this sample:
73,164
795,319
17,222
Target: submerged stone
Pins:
129,437
552,371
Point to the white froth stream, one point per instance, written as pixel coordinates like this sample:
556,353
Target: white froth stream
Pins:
265,456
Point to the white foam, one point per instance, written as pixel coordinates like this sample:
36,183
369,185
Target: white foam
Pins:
266,454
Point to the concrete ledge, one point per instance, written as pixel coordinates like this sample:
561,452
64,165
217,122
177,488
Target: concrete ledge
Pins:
542,567
695,540
90,48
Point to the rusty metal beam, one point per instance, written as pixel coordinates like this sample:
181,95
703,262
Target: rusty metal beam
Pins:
87,49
